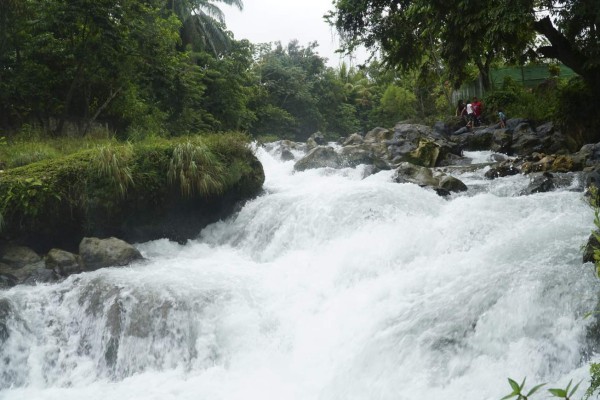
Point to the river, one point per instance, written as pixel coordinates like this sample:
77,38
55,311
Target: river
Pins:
327,286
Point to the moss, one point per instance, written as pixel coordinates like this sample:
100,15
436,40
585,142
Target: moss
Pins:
55,202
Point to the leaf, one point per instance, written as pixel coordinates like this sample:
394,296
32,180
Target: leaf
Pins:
558,393
535,389
514,385
508,396
574,389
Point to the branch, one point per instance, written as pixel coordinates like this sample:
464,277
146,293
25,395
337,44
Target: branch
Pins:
560,47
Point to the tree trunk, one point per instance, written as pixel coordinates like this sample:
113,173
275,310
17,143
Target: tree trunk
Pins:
563,50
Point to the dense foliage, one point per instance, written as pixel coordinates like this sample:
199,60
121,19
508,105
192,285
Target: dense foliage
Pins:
134,191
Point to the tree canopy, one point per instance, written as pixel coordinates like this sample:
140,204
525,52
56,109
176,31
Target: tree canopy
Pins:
477,32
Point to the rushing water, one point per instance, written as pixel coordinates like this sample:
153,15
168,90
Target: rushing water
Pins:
328,286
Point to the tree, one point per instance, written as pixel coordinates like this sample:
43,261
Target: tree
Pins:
411,32
473,31
203,23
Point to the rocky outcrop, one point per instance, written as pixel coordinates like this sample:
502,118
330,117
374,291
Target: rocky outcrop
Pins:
172,190
95,253
101,253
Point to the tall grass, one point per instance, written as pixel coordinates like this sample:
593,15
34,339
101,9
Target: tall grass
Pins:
112,162
196,169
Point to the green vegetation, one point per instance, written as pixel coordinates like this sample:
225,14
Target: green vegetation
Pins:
567,393
116,187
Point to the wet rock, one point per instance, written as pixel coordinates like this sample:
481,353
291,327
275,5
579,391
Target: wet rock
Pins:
539,183
5,313
39,274
62,262
501,141
100,253
319,157
501,170
452,184
354,139
592,243
351,156
442,184
378,135
7,280
426,154
319,138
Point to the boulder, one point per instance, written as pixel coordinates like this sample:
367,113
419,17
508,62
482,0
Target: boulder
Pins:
501,141
502,170
319,157
452,184
411,132
539,183
351,156
440,182
411,173
426,154
98,253
354,139
319,138
62,262
378,135
17,256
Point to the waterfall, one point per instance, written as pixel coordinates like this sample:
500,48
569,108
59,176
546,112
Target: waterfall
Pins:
330,285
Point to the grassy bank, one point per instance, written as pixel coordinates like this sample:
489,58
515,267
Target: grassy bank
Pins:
136,191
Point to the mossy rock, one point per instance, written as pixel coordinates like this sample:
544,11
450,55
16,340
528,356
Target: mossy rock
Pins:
137,193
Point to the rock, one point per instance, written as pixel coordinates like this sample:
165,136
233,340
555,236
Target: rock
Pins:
318,138
411,173
426,154
480,139
539,183
17,256
443,184
5,313
354,139
351,156
100,253
411,132
452,184
501,141
311,144
592,243
38,273
563,164
501,170
461,131
7,280
319,157
62,262
378,135
441,128
287,155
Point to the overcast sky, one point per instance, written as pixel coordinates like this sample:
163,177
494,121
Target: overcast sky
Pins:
284,20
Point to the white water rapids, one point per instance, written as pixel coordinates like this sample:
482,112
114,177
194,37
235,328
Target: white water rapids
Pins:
328,286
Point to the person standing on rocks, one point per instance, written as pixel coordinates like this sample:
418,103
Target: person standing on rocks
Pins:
502,118
470,115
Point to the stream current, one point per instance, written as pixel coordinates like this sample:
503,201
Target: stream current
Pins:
328,286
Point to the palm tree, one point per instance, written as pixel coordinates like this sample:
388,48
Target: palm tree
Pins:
203,23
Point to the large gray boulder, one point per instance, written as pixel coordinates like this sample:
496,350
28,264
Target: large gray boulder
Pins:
100,253
319,157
